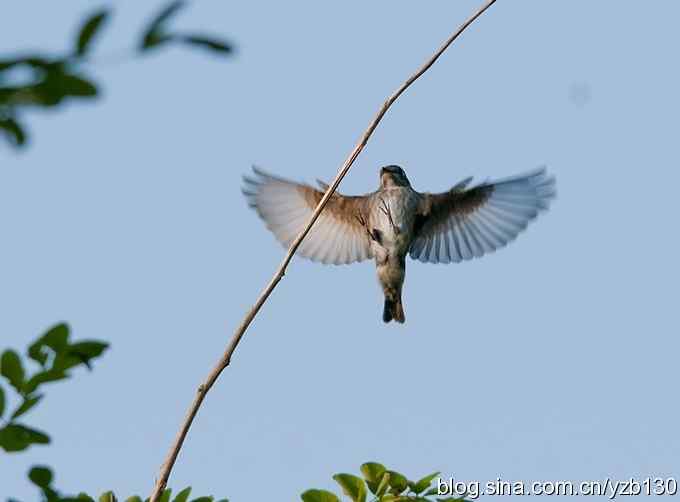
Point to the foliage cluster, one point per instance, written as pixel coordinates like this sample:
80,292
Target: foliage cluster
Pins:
45,81
55,357
378,484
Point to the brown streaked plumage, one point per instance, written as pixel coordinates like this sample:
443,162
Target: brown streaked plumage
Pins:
285,207
395,220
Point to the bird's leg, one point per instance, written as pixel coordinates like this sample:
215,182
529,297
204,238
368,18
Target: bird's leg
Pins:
385,208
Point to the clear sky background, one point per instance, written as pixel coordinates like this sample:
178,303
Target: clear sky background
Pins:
555,358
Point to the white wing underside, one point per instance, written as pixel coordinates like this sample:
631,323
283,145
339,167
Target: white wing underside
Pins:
286,207
472,232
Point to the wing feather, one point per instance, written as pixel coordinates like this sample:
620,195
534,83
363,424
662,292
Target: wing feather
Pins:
466,223
285,207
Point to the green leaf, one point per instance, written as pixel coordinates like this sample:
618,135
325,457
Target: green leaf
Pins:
12,370
66,356
384,485
89,29
42,94
319,496
57,86
2,401
36,352
183,496
165,496
87,350
134,498
43,377
398,482
154,34
72,85
206,43
352,486
17,437
423,484
29,402
14,131
107,497
56,338
40,476
373,474
83,497
203,499
155,39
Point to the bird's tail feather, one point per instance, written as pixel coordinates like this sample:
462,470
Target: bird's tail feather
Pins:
393,310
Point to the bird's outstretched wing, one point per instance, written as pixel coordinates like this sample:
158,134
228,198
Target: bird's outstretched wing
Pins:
465,223
337,237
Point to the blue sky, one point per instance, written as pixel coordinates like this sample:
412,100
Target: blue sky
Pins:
555,358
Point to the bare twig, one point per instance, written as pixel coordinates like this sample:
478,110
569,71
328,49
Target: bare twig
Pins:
240,331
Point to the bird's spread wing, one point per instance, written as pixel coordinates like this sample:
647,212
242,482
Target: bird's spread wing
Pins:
465,223
337,237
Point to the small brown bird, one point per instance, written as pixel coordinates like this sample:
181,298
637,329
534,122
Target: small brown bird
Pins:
395,220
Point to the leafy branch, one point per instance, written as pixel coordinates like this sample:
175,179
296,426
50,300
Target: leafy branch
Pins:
47,81
225,359
381,485
55,356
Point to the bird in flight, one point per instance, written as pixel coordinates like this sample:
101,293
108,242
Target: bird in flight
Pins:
463,223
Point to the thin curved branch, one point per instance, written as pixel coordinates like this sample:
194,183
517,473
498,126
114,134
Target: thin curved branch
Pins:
224,361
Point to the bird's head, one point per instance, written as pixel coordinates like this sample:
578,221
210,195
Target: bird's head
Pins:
393,176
